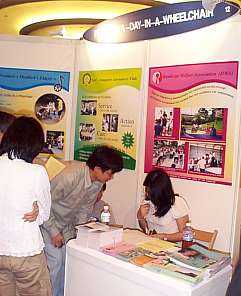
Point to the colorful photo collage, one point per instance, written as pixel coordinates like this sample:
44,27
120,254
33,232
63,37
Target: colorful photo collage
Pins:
87,131
190,140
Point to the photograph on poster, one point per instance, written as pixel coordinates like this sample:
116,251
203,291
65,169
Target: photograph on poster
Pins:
87,132
169,154
207,124
163,121
110,122
205,158
88,107
50,108
54,143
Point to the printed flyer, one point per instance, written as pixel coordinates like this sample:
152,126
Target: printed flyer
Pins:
190,121
107,112
40,94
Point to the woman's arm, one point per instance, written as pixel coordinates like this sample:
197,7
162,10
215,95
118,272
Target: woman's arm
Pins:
41,206
32,216
42,194
177,236
141,214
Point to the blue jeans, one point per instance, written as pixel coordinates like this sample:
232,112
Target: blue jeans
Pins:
56,264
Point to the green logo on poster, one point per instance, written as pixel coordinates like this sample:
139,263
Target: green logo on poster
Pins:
127,140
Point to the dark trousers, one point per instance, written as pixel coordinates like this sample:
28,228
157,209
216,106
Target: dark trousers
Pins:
234,288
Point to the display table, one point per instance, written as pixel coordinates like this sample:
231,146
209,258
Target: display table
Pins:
90,273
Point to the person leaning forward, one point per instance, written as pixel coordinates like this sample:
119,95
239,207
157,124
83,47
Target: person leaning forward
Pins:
74,193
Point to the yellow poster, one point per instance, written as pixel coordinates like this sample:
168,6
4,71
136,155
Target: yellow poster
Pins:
106,112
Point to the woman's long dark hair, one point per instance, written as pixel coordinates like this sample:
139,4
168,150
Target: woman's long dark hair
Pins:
160,191
24,139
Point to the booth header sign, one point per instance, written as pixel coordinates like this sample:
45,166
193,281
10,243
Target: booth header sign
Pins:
160,21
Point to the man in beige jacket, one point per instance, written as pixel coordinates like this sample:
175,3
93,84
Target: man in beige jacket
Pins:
74,192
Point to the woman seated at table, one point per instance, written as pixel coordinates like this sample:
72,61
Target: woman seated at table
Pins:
163,214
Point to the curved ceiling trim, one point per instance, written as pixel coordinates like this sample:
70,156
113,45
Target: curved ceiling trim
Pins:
8,3
58,22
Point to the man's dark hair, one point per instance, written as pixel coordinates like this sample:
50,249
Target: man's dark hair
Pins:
24,139
5,120
106,158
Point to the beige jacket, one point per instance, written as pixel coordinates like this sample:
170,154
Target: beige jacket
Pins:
73,196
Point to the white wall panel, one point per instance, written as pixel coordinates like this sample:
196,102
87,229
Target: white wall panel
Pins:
121,192
41,54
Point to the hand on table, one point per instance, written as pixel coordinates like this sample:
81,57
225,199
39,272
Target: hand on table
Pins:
158,235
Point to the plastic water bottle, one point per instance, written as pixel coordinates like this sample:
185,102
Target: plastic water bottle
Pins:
105,215
187,236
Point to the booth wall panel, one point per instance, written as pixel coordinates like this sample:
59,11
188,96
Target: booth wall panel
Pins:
212,206
121,192
40,53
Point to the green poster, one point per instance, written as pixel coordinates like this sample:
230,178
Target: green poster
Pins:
107,112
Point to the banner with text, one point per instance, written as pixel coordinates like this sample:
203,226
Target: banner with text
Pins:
107,112
41,94
161,21
190,121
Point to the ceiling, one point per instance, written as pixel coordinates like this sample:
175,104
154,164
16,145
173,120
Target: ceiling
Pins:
57,18
65,18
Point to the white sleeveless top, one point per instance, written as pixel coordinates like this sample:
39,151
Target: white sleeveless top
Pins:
167,223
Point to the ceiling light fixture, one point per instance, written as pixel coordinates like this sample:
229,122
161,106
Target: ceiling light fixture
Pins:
211,4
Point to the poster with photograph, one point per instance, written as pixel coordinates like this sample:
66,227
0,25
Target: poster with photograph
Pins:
206,158
190,119
106,100
204,124
170,154
166,123
40,94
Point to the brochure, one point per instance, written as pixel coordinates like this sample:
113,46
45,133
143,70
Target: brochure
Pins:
53,167
163,265
158,245
194,258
